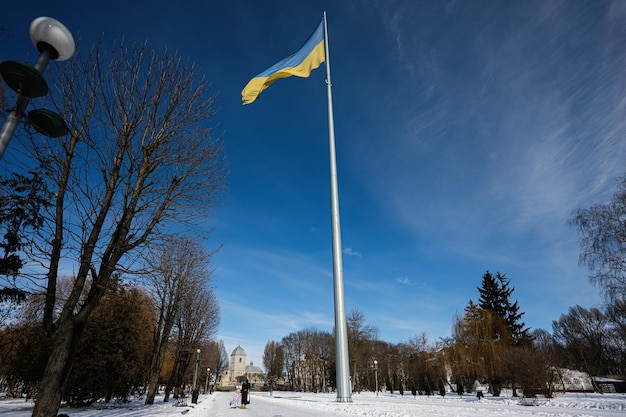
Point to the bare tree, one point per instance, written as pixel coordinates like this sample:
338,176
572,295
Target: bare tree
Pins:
273,361
179,274
603,242
584,336
616,314
140,159
196,322
293,349
360,338
217,357
308,357
416,355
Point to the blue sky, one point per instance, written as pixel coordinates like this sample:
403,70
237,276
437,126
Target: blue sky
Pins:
467,134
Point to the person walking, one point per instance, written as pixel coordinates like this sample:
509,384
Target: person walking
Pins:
245,392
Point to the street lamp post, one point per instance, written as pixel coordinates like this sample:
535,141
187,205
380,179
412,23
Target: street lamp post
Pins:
195,392
206,384
376,375
54,41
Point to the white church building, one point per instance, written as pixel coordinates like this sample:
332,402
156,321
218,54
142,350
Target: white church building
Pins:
237,369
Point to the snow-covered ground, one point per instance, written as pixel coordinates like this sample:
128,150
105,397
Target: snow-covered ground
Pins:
291,404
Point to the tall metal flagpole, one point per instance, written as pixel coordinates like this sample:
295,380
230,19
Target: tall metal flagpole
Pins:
344,391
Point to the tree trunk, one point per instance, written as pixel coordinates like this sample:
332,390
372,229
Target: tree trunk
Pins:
152,386
166,394
58,368
158,356
169,385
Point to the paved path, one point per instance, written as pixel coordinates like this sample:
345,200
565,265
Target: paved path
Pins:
261,405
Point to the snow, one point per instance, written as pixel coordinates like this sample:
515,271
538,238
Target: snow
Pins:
366,404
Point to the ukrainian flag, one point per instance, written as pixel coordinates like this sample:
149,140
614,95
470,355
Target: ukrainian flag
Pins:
300,64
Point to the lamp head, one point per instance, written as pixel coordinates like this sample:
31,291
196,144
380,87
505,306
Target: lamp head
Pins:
50,34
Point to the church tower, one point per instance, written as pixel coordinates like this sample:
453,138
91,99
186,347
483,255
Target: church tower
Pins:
237,364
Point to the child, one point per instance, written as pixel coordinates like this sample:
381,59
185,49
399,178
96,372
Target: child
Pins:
234,403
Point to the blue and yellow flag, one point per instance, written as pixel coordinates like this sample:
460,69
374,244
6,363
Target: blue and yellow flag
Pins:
300,64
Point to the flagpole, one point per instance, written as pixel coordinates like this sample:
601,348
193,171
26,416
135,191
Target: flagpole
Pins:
344,391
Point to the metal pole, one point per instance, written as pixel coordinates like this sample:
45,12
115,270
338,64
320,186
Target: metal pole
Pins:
195,374
195,391
344,391
376,375
206,384
21,102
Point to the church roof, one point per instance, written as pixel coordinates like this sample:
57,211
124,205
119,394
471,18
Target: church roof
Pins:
238,351
253,369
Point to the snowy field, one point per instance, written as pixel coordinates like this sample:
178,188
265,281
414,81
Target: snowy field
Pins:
290,404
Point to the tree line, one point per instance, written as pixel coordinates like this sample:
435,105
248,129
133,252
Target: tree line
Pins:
140,336
489,344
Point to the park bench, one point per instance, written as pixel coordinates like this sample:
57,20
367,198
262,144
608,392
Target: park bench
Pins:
180,398
531,396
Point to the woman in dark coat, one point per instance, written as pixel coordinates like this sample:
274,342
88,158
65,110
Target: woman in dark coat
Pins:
245,392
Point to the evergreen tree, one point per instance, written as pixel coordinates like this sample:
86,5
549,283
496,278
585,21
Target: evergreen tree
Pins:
472,311
111,359
491,295
495,296
23,200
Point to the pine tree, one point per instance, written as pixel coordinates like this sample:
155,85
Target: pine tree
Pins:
23,200
490,295
495,296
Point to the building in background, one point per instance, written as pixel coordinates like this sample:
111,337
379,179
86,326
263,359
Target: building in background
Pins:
237,369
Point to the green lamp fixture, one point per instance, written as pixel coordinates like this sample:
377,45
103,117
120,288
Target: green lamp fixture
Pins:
53,41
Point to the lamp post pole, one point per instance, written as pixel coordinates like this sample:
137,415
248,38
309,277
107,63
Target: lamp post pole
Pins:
206,384
194,393
376,375
54,41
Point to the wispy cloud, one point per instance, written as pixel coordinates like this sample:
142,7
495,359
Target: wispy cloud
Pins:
404,281
484,166
350,252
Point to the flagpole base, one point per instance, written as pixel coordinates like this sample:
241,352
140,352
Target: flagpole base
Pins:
344,399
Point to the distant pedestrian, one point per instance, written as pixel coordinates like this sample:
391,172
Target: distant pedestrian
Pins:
245,392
